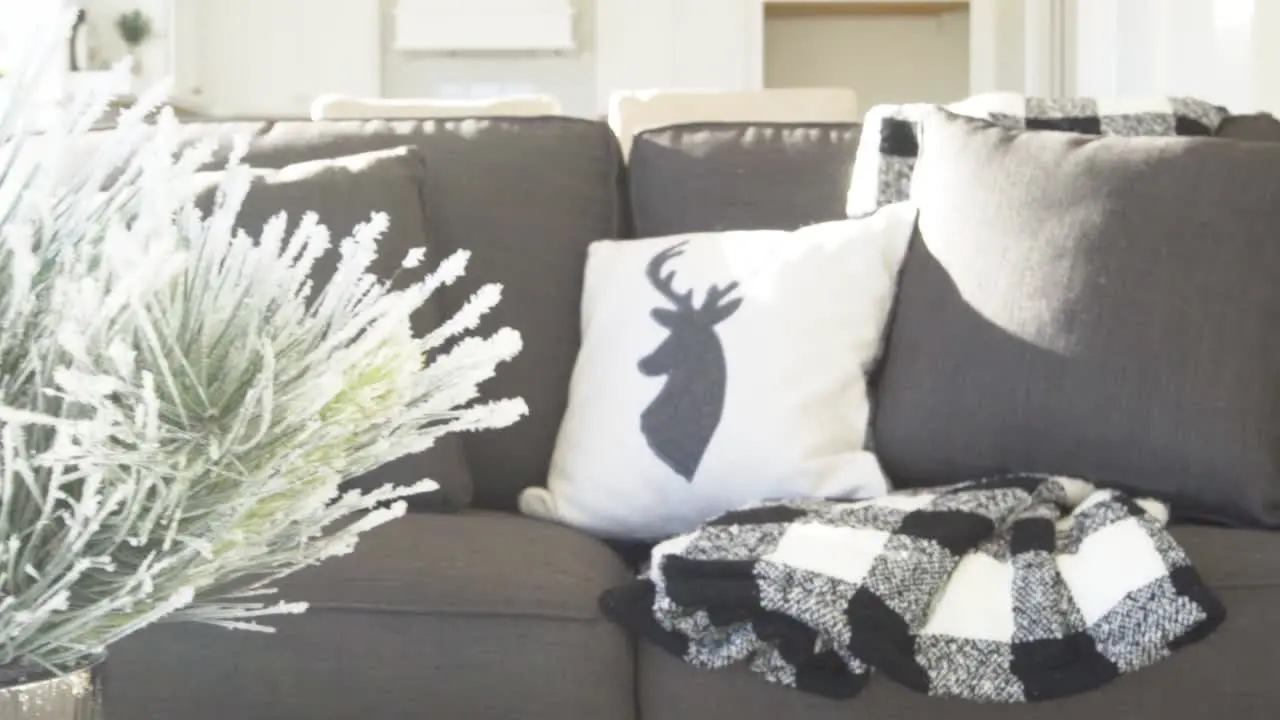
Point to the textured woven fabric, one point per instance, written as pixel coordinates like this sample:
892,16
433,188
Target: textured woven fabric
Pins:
891,134
1011,589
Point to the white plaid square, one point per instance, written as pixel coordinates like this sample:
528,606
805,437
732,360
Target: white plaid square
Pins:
978,581
842,553
1111,563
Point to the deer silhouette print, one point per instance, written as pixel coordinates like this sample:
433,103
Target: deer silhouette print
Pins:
680,421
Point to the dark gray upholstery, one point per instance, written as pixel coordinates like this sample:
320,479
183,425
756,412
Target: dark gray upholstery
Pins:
1258,127
739,176
488,616
1229,675
1103,308
526,196
434,617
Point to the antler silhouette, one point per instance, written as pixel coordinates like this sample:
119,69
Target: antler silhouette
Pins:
663,282
717,295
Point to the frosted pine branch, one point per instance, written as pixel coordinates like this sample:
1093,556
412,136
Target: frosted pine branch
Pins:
179,406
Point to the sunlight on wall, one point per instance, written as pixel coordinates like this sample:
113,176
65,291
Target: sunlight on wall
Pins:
1233,22
1231,14
17,17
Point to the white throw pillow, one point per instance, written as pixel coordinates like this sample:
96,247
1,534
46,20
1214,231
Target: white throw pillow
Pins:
722,369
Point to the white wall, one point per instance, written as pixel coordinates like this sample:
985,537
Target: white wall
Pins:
885,59
678,45
872,61
570,77
1265,54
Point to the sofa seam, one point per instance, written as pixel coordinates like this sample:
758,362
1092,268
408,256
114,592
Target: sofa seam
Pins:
383,610
1244,586
460,613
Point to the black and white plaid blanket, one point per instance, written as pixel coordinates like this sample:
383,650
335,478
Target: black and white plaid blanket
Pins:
1013,589
890,140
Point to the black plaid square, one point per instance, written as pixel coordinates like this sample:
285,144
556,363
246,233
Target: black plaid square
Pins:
898,138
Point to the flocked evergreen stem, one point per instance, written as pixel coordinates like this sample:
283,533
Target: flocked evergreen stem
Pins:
178,405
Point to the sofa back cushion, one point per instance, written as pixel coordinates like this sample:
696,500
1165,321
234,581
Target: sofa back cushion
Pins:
526,196
1113,320
632,112
1258,127
343,192
708,177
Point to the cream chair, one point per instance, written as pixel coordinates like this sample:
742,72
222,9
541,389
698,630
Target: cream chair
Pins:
634,111
344,107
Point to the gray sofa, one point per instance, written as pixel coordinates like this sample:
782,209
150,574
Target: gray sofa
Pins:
481,614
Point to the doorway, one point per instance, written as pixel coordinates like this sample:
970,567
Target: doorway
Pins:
890,52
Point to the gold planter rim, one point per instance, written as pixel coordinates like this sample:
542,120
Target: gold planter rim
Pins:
27,694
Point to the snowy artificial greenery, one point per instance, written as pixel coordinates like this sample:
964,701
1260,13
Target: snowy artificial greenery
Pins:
178,404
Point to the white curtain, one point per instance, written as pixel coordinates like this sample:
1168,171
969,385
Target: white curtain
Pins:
1203,48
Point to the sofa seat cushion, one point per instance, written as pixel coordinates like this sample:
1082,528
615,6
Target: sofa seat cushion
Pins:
1228,675
472,563
452,617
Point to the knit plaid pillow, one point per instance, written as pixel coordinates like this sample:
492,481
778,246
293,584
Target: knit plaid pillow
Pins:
891,136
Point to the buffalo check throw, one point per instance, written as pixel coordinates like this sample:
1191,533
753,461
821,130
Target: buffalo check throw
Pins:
891,138
1011,589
